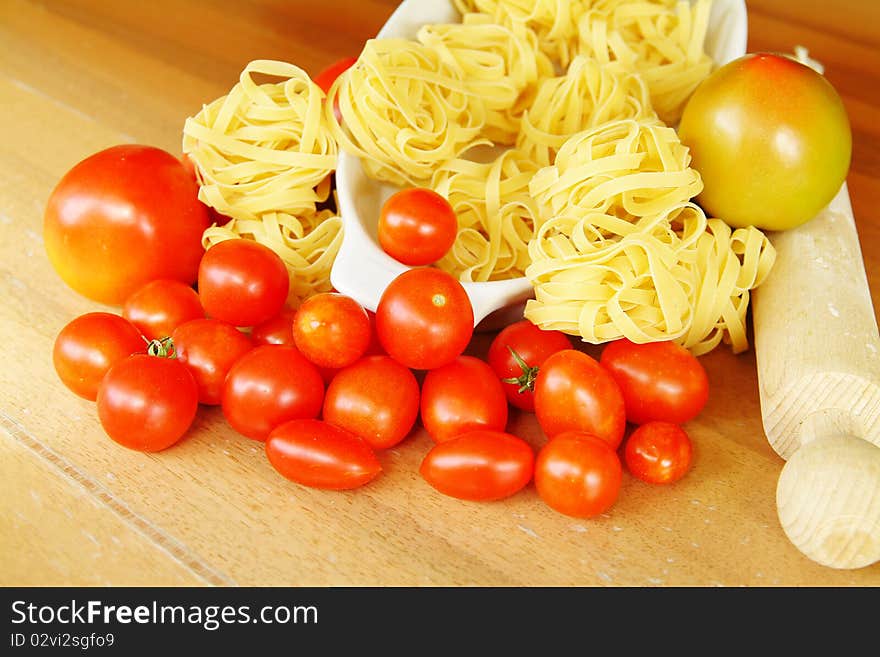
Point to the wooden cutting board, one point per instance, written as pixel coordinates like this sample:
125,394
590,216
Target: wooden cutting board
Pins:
79,75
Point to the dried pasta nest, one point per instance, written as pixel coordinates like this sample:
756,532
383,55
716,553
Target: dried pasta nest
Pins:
263,147
502,65
627,167
620,251
587,96
554,21
661,40
404,111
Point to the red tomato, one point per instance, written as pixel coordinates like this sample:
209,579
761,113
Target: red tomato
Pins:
574,393
276,330
659,380
123,217
331,330
424,318
160,306
89,346
479,465
147,402
461,396
417,226
209,348
242,282
375,347
314,453
517,353
268,386
658,452
279,330
327,76
578,474
376,398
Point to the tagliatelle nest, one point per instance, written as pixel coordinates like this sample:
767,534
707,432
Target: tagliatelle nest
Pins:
619,251
404,111
587,96
263,155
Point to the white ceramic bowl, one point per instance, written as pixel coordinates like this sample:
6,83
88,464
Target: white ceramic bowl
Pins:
363,270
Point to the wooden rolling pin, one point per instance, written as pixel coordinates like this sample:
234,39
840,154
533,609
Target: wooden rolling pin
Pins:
818,359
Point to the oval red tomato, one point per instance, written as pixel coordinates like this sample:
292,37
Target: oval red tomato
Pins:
658,452
517,353
242,282
314,453
332,330
160,306
88,346
147,402
268,386
461,396
578,474
659,380
209,348
417,226
123,217
574,393
376,398
479,465
424,318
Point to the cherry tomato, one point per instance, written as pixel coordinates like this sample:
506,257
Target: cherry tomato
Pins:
574,393
578,474
209,348
160,306
88,346
279,330
424,318
417,226
771,140
242,282
123,217
327,77
376,398
147,402
480,465
268,386
375,347
276,330
658,452
659,380
314,453
516,355
461,396
331,330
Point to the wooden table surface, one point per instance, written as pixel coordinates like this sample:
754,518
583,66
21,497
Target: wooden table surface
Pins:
80,75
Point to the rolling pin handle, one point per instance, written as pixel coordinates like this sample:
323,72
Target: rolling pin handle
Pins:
826,502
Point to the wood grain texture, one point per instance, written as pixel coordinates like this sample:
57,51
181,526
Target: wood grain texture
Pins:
79,75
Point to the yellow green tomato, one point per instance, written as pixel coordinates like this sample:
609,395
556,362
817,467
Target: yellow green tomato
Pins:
770,138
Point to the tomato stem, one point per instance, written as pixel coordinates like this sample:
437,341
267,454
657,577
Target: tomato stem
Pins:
163,348
526,380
